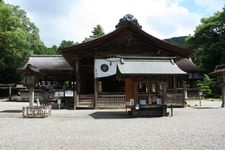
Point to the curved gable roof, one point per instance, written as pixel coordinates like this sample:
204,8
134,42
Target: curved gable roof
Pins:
69,52
187,65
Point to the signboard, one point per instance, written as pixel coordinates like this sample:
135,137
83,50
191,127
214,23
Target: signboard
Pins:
69,93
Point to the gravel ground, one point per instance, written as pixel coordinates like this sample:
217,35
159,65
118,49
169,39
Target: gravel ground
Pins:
189,128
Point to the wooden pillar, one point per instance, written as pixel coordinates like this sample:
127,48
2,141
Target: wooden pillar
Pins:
223,95
77,78
174,83
95,91
164,92
174,88
10,92
77,72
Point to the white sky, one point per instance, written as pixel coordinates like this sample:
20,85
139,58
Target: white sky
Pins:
74,20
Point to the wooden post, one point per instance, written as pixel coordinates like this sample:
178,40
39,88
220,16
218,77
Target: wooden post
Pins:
174,82
174,89
77,78
223,95
95,91
77,72
164,93
75,99
10,92
96,86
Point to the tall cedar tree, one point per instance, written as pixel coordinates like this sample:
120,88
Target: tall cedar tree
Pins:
97,32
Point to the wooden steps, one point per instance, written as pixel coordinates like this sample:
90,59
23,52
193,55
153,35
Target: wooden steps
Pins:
85,101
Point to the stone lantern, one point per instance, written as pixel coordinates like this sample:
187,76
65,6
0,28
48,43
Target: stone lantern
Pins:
219,72
31,73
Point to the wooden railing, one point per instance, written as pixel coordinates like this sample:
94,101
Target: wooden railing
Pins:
110,101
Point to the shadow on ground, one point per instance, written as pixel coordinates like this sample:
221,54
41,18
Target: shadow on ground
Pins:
204,107
11,111
110,115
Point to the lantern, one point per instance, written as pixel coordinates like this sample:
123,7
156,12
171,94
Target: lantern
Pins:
30,72
220,77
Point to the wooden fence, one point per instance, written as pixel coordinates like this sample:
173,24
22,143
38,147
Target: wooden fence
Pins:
110,101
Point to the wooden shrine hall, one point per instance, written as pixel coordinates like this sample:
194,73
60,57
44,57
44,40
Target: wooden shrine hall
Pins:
127,66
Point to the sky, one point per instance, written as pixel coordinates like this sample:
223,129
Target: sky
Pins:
74,20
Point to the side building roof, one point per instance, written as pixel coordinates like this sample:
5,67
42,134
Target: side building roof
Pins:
53,67
49,62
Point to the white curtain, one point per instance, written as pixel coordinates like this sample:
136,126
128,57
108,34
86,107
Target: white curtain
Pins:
106,67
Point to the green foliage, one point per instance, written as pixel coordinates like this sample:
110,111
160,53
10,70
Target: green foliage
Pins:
178,41
19,38
205,86
53,50
97,31
65,44
208,41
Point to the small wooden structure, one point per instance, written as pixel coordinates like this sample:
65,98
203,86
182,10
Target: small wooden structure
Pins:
219,72
56,82
194,74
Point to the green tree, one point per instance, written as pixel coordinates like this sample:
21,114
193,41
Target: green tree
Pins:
53,50
65,44
208,41
179,41
205,86
19,38
97,32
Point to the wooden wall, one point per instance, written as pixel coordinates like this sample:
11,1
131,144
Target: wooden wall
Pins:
131,89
